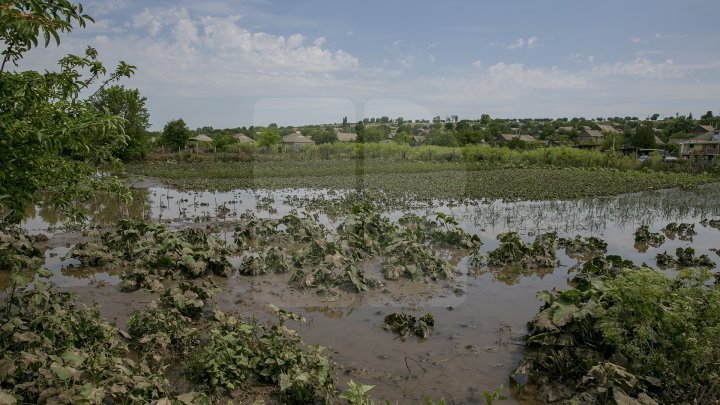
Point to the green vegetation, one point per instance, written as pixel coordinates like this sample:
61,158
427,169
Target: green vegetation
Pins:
53,142
176,134
418,179
638,334
130,105
403,324
55,349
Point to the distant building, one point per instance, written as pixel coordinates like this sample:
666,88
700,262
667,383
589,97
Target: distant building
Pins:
606,128
564,130
242,138
503,138
707,144
417,140
346,136
590,136
702,130
297,139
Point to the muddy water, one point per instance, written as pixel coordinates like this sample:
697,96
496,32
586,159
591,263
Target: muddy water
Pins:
480,318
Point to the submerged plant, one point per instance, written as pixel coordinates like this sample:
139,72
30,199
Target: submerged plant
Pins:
684,258
403,324
643,235
512,250
582,247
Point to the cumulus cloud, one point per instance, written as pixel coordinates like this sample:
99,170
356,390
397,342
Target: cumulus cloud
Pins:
225,40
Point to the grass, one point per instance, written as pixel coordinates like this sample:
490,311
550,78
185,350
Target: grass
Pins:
419,179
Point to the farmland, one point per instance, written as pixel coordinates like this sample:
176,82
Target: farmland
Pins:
449,260
345,268
417,179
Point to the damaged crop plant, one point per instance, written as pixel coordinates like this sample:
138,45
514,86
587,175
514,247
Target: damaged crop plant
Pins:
631,336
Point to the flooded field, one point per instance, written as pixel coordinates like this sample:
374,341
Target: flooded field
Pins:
480,313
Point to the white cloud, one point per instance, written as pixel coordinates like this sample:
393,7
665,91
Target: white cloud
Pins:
659,35
517,75
640,67
637,40
580,58
519,43
224,40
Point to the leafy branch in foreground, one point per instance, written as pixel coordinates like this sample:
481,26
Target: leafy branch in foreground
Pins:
54,143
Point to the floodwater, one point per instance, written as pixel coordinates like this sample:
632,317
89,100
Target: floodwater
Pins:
480,317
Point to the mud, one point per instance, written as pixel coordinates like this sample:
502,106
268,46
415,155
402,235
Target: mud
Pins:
480,317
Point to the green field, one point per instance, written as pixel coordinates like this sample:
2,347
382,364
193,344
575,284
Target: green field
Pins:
398,178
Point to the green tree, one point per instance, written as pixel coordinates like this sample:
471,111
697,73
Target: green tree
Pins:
130,105
269,137
644,136
360,132
53,142
176,133
402,137
442,138
320,135
223,140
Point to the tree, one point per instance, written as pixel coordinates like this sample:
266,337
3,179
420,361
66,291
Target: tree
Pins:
442,138
176,133
128,104
360,132
223,140
485,119
53,142
403,137
320,135
269,137
655,117
644,136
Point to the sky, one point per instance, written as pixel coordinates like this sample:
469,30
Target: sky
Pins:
226,64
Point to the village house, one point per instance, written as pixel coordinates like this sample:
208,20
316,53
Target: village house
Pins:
505,138
345,136
297,140
242,138
589,135
609,129
702,130
706,144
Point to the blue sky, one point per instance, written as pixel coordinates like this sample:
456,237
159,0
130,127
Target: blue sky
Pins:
238,63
